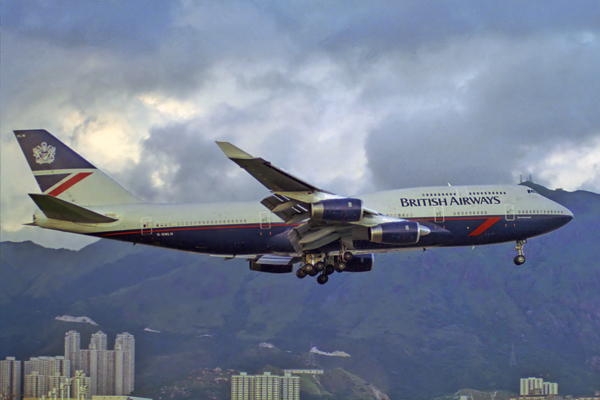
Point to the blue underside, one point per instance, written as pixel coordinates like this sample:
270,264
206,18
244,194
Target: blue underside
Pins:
252,239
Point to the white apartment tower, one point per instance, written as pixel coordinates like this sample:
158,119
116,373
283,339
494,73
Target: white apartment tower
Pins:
242,387
111,372
125,343
35,385
531,386
73,350
10,377
38,372
290,387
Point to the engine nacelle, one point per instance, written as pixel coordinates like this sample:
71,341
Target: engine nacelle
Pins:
402,232
338,210
360,263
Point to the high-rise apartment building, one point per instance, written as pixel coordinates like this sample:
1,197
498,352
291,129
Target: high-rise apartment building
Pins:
111,372
35,385
10,377
99,340
73,350
125,343
266,387
42,374
531,386
242,387
290,387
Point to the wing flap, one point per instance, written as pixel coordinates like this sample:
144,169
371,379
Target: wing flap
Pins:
55,208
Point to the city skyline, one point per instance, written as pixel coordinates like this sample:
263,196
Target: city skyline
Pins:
85,372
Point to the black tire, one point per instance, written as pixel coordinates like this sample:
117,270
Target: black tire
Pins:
330,269
322,279
301,273
340,266
519,260
308,268
348,256
319,266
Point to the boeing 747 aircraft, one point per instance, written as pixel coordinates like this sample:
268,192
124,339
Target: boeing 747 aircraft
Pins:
298,223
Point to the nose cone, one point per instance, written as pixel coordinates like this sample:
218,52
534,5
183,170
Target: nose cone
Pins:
568,216
562,219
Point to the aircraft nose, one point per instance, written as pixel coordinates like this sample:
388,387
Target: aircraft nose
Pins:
566,217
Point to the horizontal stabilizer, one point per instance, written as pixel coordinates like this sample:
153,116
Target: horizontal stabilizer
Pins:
55,208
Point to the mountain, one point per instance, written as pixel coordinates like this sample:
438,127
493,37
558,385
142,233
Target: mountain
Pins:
420,325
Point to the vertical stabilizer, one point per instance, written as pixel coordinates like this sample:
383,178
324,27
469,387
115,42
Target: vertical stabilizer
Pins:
62,173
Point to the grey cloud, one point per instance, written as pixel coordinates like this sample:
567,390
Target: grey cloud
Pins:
128,26
522,104
195,169
412,25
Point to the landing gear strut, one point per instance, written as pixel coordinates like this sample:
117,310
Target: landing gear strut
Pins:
520,259
324,265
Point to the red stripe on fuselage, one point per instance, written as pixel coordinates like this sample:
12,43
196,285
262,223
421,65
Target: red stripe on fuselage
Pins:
485,226
69,183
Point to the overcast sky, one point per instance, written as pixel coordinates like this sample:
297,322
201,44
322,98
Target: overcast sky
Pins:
353,97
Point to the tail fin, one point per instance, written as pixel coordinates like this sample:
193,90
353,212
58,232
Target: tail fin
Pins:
62,173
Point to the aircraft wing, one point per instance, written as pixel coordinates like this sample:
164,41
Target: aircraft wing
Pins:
294,201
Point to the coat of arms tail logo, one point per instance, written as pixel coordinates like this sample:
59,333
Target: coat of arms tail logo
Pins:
44,153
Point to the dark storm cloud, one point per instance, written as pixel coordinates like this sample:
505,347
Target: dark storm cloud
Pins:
519,105
129,26
410,25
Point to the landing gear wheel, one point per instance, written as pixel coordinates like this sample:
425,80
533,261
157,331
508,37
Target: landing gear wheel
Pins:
309,269
519,260
301,273
319,266
340,266
330,269
322,279
348,256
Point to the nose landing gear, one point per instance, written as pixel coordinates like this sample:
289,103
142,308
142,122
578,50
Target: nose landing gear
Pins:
520,258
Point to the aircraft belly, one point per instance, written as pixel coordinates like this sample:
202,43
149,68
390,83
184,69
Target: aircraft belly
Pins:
213,240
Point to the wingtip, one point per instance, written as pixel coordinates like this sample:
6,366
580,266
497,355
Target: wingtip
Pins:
233,152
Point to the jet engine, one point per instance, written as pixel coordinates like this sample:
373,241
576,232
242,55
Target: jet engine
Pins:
338,210
402,232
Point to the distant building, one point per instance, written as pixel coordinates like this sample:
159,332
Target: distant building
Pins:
537,389
10,377
537,386
112,372
242,387
73,350
125,347
42,374
290,387
303,371
265,387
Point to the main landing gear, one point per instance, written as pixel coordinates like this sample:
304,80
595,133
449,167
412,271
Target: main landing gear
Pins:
520,258
323,265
